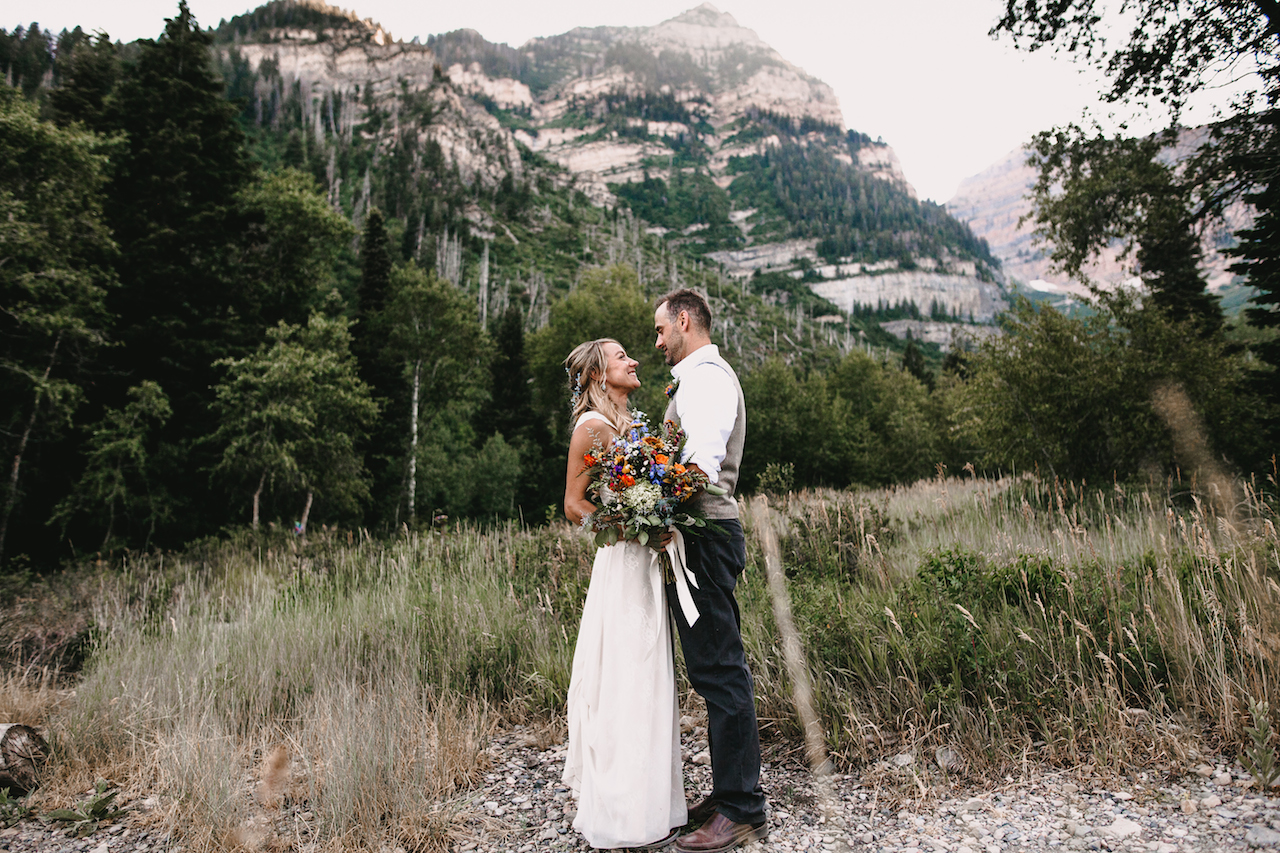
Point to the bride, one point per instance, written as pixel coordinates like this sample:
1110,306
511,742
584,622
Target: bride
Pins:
623,762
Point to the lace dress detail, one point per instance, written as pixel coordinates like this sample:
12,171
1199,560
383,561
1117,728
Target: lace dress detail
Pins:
623,762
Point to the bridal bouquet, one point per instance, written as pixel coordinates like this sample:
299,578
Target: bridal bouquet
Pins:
638,484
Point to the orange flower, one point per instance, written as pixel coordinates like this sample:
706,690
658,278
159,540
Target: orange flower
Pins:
589,459
627,480
678,468
660,458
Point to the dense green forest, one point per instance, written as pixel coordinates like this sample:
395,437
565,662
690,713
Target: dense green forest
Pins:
222,308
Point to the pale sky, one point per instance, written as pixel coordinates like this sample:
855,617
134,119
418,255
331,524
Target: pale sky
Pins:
921,74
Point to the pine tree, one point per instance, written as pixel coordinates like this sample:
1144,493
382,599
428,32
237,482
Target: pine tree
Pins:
1259,251
510,407
509,411
371,299
87,75
375,264
173,196
913,363
1169,258
174,207
25,57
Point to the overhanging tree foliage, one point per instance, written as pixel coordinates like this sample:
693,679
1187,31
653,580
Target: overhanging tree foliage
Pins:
1174,49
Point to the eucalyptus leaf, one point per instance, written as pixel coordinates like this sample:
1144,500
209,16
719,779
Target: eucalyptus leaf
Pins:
643,537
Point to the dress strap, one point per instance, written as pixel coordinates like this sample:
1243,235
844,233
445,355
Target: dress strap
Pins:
592,415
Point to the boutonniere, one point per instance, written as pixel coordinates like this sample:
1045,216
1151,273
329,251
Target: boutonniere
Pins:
672,387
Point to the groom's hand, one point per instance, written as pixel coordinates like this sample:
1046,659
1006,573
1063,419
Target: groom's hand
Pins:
693,466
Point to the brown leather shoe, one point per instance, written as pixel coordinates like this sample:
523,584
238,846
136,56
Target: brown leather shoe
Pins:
720,834
702,812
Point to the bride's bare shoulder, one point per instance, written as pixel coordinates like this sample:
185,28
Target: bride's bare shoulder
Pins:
594,423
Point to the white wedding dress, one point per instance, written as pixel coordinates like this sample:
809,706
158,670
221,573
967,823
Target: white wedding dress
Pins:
623,762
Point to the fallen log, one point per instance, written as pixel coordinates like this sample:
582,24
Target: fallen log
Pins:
22,752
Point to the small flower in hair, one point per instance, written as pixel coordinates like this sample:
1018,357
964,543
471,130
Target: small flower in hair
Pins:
577,387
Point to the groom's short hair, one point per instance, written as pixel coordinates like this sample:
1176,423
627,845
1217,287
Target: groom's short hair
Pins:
685,299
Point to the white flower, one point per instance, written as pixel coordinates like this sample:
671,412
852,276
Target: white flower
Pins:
642,497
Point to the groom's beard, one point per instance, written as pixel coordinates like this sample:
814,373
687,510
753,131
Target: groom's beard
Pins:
674,350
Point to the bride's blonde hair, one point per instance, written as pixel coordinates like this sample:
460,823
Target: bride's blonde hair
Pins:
586,367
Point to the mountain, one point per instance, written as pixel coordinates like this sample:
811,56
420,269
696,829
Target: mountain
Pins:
994,202
726,151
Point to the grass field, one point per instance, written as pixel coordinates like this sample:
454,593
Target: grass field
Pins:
1008,619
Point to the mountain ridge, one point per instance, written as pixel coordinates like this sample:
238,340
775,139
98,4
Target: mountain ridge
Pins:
695,124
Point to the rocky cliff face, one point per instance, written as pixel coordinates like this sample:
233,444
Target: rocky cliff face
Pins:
345,78
957,295
699,53
718,71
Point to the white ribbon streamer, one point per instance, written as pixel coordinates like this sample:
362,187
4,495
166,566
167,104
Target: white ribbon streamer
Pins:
684,576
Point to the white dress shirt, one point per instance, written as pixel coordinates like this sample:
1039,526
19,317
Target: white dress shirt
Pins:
707,405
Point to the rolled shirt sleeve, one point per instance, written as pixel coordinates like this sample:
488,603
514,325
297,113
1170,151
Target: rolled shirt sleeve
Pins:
707,405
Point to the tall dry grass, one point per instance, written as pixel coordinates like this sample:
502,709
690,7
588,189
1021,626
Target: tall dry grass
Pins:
1003,619
1015,617
380,670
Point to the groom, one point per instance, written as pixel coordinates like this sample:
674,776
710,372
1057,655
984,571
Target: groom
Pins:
706,400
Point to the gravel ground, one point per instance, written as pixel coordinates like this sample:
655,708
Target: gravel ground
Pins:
523,808
1213,809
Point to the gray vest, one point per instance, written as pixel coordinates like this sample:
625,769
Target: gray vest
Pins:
722,506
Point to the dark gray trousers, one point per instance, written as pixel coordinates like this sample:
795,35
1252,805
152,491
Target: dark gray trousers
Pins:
717,667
